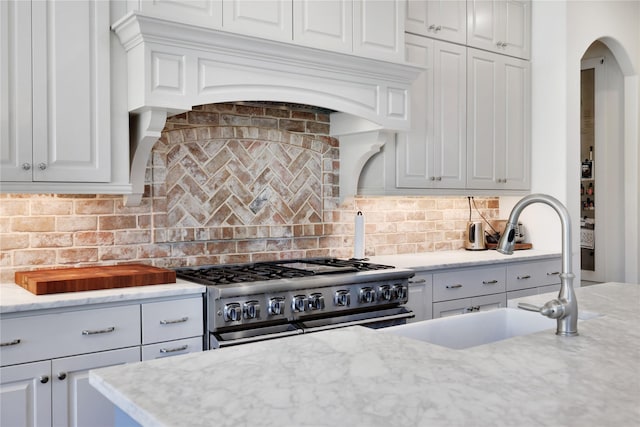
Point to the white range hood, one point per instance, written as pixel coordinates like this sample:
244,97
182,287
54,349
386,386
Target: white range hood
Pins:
173,67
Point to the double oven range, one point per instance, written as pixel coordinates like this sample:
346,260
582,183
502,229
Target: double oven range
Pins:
265,300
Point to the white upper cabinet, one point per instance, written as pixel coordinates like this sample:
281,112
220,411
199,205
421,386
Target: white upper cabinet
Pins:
262,18
501,26
370,28
499,124
440,19
324,23
433,154
378,29
207,13
56,100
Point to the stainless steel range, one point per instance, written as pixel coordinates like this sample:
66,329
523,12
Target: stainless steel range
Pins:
265,300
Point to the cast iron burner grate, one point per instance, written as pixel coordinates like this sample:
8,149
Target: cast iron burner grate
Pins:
243,273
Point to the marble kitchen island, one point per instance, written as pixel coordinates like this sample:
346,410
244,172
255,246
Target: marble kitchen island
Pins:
361,377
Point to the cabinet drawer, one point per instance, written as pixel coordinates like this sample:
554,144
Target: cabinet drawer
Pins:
532,274
170,320
468,283
469,305
171,348
25,339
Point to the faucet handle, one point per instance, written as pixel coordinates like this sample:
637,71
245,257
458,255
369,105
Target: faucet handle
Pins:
529,307
553,309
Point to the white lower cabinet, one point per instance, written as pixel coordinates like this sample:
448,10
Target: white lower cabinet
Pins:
75,402
57,392
46,357
441,293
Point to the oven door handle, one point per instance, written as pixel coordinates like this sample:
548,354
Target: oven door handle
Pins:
361,322
238,341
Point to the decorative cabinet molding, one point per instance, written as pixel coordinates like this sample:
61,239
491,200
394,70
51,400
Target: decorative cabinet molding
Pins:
439,19
499,122
501,26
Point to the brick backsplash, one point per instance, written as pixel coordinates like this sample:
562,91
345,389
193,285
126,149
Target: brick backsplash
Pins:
229,183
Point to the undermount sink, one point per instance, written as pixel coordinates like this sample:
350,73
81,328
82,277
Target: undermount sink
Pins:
473,329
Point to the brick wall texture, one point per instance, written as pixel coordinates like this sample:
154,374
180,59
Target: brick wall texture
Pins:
229,183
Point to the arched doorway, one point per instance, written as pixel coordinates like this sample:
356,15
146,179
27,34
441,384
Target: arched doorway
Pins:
607,178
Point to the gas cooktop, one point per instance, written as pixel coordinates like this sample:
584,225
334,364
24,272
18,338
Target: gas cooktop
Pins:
273,270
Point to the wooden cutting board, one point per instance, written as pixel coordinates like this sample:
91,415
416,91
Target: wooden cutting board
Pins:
53,281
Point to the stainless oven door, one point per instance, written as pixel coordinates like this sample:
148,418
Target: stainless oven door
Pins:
226,339
374,319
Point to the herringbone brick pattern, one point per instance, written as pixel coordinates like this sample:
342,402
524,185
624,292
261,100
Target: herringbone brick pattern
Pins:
231,182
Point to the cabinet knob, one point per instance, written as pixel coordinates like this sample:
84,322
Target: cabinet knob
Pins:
62,375
26,166
44,379
42,166
438,178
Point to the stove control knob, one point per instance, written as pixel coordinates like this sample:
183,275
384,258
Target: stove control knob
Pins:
384,293
299,303
367,295
342,298
232,312
400,291
276,306
316,301
251,310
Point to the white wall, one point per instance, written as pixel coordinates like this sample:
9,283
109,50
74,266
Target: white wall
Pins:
561,33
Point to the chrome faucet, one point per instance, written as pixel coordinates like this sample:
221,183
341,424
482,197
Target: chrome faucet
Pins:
564,308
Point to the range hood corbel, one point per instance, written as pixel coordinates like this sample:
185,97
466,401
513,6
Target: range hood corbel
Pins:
173,67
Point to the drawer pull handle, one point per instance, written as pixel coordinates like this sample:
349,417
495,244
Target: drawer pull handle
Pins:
169,322
526,276
454,286
99,331
8,343
173,350
489,282
418,281
555,273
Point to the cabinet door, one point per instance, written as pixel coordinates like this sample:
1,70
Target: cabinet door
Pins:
488,302
440,19
75,402
270,19
25,395
499,122
501,26
420,296
324,24
207,13
516,20
71,91
433,154
15,91
451,308
378,29
516,124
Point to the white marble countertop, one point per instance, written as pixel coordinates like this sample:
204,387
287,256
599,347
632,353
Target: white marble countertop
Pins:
14,298
360,377
460,258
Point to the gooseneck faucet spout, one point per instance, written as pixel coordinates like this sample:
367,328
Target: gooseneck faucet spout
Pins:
565,307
